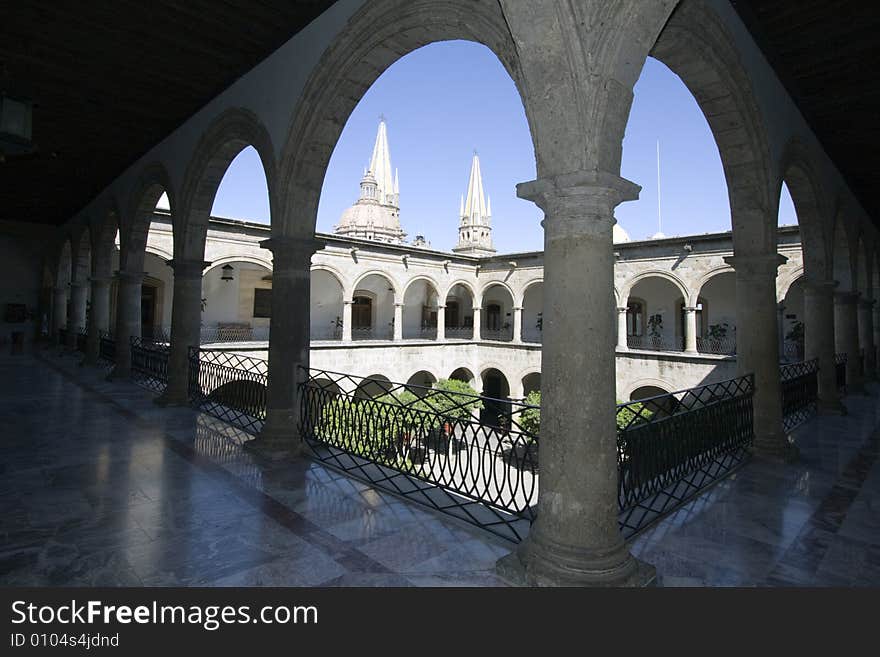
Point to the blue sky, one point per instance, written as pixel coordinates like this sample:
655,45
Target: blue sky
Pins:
448,99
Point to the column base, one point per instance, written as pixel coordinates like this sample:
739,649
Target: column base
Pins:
278,440
776,448
831,407
170,399
571,567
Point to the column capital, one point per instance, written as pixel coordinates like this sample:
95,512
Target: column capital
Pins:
348,302
130,276
623,309
186,268
517,308
100,280
399,304
846,297
690,309
477,309
819,286
439,307
757,265
579,203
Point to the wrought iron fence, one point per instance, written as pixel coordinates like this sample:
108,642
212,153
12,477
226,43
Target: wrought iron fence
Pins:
672,446
229,386
371,333
721,346
459,332
651,343
498,335
840,371
106,347
792,352
428,445
532,335
149,363
799,383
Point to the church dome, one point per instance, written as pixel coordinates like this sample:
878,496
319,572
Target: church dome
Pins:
619,235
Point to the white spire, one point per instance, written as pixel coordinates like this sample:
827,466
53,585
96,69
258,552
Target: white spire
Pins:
475,203
380,165
396,182
488,209
475,231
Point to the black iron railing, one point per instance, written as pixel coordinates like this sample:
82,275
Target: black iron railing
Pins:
840,371
652,343
469,456
229,386
149,363
672,446
106,347
800,386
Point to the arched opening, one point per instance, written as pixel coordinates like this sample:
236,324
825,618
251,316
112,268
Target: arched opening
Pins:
243,192
497,314
653,316
533,312
421,379
842,259
644,392
372,308
236,302
459,313
719,314
496,408
326,306
63,276
792,326
464,375
420,311
373,386
531,383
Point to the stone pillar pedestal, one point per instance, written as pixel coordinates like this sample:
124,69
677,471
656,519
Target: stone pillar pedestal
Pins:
128,320
846,337
866,337
59,312
575,539
186,316
346,321
819,341
690,330
780,330
477,323
757,349
99,317
622,344
288,344
398,322
79,294
517,324
441,323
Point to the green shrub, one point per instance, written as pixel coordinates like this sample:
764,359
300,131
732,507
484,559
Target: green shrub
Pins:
530,419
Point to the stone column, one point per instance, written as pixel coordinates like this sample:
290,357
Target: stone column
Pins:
441,323
819,340
59,312
846,337
79,294
690,330
780,329
398,322
575,539
517,324
622,344
288,342
477,320
866,337
128,320
186,320
757,348
99,317
346,321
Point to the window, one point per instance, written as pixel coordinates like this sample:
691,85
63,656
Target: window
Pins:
263,302
635,318
493,317
362,313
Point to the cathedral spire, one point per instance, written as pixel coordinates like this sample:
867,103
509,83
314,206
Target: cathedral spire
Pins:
475,230
380,166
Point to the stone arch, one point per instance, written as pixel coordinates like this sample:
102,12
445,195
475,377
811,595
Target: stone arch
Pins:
159,252
373,386
81,252
376,272
266,263
229,133
863,267
783,284
698,47
844,255
654,273
647,382
376,36
104,228
798,173
64,268
705,278
519,300
465,285
422,377
422,277
327,305
497,317
459,372
420,320
335,272
490,284
134,225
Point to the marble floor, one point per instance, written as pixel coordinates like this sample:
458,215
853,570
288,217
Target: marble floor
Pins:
102,487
